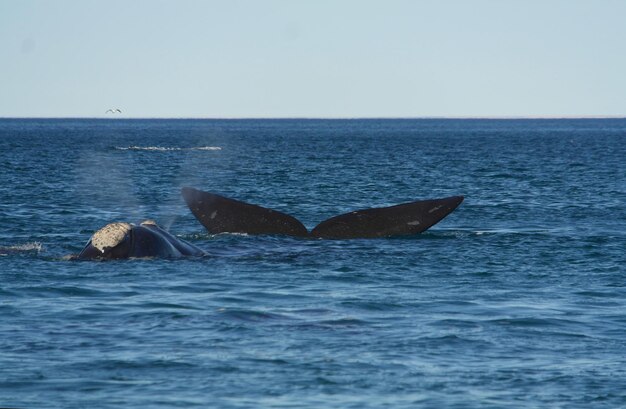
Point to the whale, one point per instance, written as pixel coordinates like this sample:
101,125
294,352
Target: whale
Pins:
121,240
220,214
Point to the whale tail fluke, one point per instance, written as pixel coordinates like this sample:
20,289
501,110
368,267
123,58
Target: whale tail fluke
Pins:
219,214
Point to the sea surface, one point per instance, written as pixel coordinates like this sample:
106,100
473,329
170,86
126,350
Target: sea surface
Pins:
516,299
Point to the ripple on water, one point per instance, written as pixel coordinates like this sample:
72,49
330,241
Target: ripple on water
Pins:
61,291
248,315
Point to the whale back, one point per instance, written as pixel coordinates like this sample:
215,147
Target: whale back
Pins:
147,242
184,247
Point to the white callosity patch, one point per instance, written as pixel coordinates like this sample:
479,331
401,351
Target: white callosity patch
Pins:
414,223
110,235
434,209
149,222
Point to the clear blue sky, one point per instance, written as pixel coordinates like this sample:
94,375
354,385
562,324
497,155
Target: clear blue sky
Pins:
350,58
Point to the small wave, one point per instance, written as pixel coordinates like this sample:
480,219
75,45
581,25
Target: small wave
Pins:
250,315
166,149
343,322
233,234
21,248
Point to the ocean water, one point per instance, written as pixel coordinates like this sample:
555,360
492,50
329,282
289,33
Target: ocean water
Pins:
516,299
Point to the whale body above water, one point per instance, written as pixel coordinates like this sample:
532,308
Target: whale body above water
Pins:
125,240
219,214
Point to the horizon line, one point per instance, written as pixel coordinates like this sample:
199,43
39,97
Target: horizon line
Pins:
504,117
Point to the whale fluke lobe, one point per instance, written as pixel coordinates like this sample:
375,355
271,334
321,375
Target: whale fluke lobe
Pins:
399,220
219,214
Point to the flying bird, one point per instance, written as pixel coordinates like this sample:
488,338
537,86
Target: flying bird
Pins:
113,111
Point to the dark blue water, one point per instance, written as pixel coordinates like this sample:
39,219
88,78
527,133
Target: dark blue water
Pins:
517,299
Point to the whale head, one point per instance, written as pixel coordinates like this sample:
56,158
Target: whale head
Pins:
113,241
